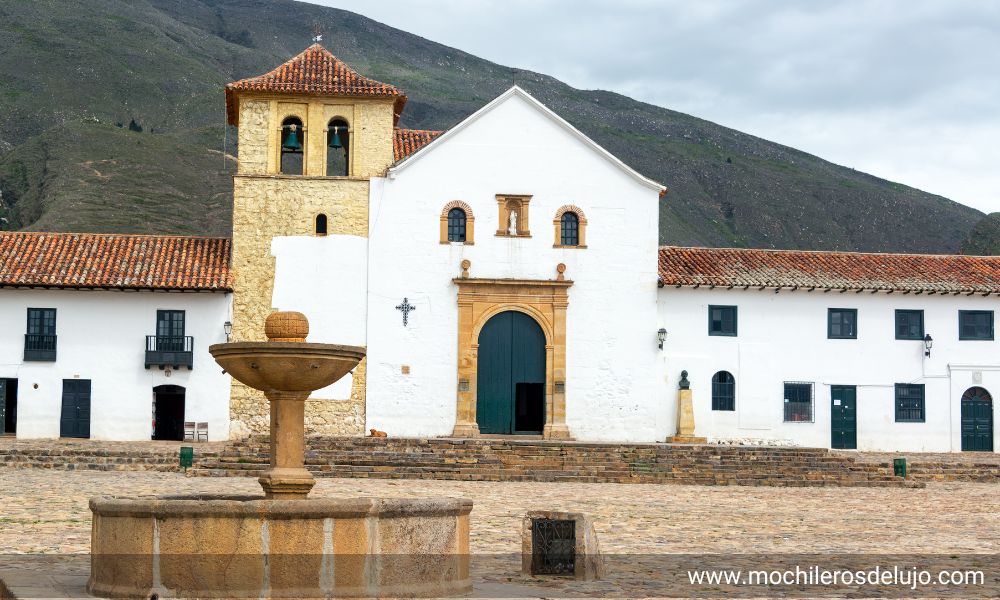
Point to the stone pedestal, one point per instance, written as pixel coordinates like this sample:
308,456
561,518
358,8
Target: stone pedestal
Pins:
287,479
685,421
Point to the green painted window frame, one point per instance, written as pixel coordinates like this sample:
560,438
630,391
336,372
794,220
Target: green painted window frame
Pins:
907,401
962,314
829,323
722,331
723,391
41,321
909,312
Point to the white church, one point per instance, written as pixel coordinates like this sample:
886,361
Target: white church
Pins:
506,279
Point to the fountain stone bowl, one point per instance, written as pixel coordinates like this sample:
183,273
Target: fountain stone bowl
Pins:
286,366
280,545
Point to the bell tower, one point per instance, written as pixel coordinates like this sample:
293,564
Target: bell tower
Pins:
312,133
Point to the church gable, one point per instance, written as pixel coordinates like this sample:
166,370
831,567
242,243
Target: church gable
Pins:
516,119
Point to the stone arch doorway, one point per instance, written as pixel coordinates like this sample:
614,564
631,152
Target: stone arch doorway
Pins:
542,302
977,420
510,386
168,412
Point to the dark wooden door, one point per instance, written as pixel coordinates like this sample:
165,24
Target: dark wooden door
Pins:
977,420
511,375
75,420
168,413
3,405
844,417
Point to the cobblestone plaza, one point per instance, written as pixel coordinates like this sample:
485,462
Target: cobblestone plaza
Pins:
46,511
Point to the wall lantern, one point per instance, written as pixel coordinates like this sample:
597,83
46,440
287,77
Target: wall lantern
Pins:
228,328
660,336
928,344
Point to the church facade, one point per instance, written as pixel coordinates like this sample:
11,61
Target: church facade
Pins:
506,279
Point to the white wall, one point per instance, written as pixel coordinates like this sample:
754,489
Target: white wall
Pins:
611,387
783,337
324,278
101,337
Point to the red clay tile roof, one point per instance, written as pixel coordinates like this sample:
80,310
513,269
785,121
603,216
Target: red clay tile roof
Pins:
407,141
87,260
735,267
314,72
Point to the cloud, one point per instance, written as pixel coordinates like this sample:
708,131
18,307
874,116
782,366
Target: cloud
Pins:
903,89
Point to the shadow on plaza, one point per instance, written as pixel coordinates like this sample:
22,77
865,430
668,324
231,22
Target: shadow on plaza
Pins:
626,575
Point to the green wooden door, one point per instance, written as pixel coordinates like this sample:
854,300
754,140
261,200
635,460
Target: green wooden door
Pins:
75,420
977,420
511,370
844,417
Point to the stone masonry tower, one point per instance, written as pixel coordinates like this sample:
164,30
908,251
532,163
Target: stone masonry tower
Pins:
312,133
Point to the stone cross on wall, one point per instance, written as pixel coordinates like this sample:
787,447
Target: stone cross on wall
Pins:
406,307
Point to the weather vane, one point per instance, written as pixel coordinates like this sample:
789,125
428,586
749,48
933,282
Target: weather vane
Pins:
317,33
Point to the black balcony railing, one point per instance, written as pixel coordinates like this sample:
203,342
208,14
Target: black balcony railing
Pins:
39,347
169,351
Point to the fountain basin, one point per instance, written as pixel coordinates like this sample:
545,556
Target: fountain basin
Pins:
251,547
286,366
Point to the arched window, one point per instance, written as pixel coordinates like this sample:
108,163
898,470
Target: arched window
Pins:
456,225
320,224
570,229
338,145
292,145
723,391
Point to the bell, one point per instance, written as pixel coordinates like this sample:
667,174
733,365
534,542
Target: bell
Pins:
292,139
335,138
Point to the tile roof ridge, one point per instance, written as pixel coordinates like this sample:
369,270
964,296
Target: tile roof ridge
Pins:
122,235
827,252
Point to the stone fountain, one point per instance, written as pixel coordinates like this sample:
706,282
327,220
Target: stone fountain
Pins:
282,544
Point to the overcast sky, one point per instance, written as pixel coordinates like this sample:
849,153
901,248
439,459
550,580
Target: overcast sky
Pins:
908,90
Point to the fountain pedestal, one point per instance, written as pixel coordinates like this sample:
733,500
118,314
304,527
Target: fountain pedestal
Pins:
287,478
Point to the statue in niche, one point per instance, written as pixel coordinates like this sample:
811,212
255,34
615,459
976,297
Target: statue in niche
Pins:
512,228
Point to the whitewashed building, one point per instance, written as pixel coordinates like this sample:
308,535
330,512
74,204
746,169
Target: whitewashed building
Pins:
505,277
833,349
106,336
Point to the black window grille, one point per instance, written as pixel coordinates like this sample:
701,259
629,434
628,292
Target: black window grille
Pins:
570,229
456,225
975,324
553,547
321,224
722,320
842,324
910,406
798,402
909,324
723,391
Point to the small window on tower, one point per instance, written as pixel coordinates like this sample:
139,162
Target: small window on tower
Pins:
320,224
292,144
337,149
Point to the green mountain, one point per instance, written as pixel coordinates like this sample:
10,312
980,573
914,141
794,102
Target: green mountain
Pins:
78,81
984,239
